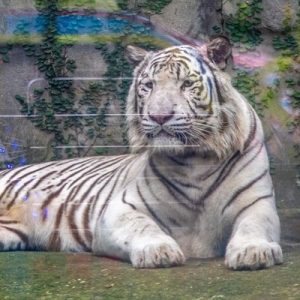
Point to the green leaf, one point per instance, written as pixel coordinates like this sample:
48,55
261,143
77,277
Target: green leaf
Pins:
5,58
20,98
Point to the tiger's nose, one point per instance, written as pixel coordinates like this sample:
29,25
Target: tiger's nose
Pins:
161,118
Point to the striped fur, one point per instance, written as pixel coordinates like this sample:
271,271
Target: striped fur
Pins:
196,184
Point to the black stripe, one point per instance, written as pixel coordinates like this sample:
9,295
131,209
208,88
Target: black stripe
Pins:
210,88
9,222
191,108
203,71
54,242
70,175
221,177
151,211
150,188
13,174
74,229
199,105
86,220
50,198
252,159
36,170
15,196
108,177
176,161
253,127
243,189
220,97
10,186
19,233
170,187
126,202
208,174
42,178
187,185
81,164
103,166
111,192
178,71
182,62
125,176
4,172
76,189
66,161
249,205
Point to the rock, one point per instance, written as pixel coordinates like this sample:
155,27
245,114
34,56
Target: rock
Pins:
16,4
194,18
229,8
279,14
276,14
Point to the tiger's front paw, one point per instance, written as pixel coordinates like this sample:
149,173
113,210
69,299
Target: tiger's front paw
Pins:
253,255
156,253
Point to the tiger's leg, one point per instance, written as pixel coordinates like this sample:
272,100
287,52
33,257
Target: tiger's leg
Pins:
125,233
13,235
254,241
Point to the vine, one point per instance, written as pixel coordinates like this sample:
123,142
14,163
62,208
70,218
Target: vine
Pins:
147,6
243,26
85,109
288,47
57,96
248,85
4,52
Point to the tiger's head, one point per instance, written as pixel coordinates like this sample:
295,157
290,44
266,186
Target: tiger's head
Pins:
175,104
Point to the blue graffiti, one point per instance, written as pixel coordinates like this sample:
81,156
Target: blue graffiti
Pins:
76,24
15,146
22,161
9,166
25,198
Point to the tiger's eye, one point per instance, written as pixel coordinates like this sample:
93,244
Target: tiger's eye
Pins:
187,83
149,84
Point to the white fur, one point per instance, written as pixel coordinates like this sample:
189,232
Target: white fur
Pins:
139,216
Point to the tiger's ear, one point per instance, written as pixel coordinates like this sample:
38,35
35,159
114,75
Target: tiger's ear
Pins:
135,54
219,50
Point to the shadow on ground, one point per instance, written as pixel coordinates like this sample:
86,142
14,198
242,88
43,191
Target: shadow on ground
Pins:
40,275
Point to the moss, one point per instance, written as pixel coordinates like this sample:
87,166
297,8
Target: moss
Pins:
287,18
82,276
284,63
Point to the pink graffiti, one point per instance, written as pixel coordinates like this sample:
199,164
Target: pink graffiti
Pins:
250,59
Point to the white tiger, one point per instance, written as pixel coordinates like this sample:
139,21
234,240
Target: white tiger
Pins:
196,184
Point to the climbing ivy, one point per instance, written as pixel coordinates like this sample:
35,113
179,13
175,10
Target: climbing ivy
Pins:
154,6
4,52
86,110
57,96
243,26
147,6
248,84
287,45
